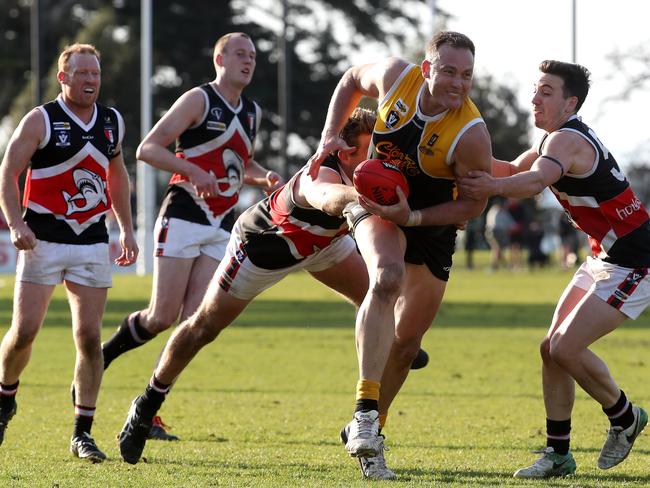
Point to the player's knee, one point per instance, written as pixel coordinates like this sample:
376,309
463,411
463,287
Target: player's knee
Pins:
545,350
203,329
561,352
388,282
88,342
23,337
404,351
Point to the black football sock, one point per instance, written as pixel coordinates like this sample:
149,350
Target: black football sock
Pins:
557,435
620,414
83,420
129,336
8,396
153,397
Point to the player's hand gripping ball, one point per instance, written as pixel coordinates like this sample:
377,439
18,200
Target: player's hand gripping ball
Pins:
377,180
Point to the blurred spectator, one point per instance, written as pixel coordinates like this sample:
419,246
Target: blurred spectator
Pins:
536,256
569,243
472,237
498,223
517,232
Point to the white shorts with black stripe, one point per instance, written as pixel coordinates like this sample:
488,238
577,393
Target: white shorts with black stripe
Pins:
238,276
179,238
626,289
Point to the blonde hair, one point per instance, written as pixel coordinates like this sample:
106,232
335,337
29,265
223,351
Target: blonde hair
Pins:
77,48
220,45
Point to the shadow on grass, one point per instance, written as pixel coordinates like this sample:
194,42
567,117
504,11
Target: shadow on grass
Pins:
326,314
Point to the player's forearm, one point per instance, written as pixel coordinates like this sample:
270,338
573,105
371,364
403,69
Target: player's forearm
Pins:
453,212
522,185
336,198
10,200
255,174
162,158
345,98
119,190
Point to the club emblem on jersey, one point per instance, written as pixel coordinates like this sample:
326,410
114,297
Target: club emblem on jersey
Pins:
92,191
108,132
427,149
231,183
216,112
251,121
392,119
62,138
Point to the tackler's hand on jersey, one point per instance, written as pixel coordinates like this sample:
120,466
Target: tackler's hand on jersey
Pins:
477,185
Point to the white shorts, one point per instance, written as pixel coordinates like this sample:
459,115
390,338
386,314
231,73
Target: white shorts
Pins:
243,280
625,289
178,238
50,263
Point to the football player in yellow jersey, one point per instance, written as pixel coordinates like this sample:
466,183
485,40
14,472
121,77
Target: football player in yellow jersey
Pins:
435,135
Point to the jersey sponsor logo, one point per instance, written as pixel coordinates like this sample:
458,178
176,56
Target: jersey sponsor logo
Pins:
406,164
626,211
88,137
216,112
213,125
92,192
393,119
401,107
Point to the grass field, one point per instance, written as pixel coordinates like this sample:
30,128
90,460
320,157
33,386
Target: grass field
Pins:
262,405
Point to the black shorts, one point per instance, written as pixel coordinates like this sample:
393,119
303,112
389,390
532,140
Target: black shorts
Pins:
431,245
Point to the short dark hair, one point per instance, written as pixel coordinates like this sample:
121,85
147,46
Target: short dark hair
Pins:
575,77
453,39
361,121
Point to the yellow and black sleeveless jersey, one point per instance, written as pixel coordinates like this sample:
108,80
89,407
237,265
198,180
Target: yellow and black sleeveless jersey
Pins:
421,146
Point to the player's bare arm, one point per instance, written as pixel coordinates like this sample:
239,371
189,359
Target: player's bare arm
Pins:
186,112
327,192
523,162
21,148
370,80
257,175
563,152
119,190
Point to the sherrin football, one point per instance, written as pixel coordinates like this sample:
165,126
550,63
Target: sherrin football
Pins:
377,180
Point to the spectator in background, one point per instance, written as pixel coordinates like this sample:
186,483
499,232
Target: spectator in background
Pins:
517,232
498,223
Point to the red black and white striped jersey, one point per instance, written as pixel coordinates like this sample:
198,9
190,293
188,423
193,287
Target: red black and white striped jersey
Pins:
277,232
222,143
602,204
66,196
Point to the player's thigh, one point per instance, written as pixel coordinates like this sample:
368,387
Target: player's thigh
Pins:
380,242
348,277
418,303
30,306
202,272
86,306
591,319
170,281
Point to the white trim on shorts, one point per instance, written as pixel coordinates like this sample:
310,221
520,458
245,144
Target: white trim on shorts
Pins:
625,289
50,263
183,239
242,279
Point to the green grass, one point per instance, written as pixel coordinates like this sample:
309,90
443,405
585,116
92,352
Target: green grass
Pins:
262,405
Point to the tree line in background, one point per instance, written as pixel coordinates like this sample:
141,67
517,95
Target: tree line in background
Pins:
184,33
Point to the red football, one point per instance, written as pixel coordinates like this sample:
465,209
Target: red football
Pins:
376,180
